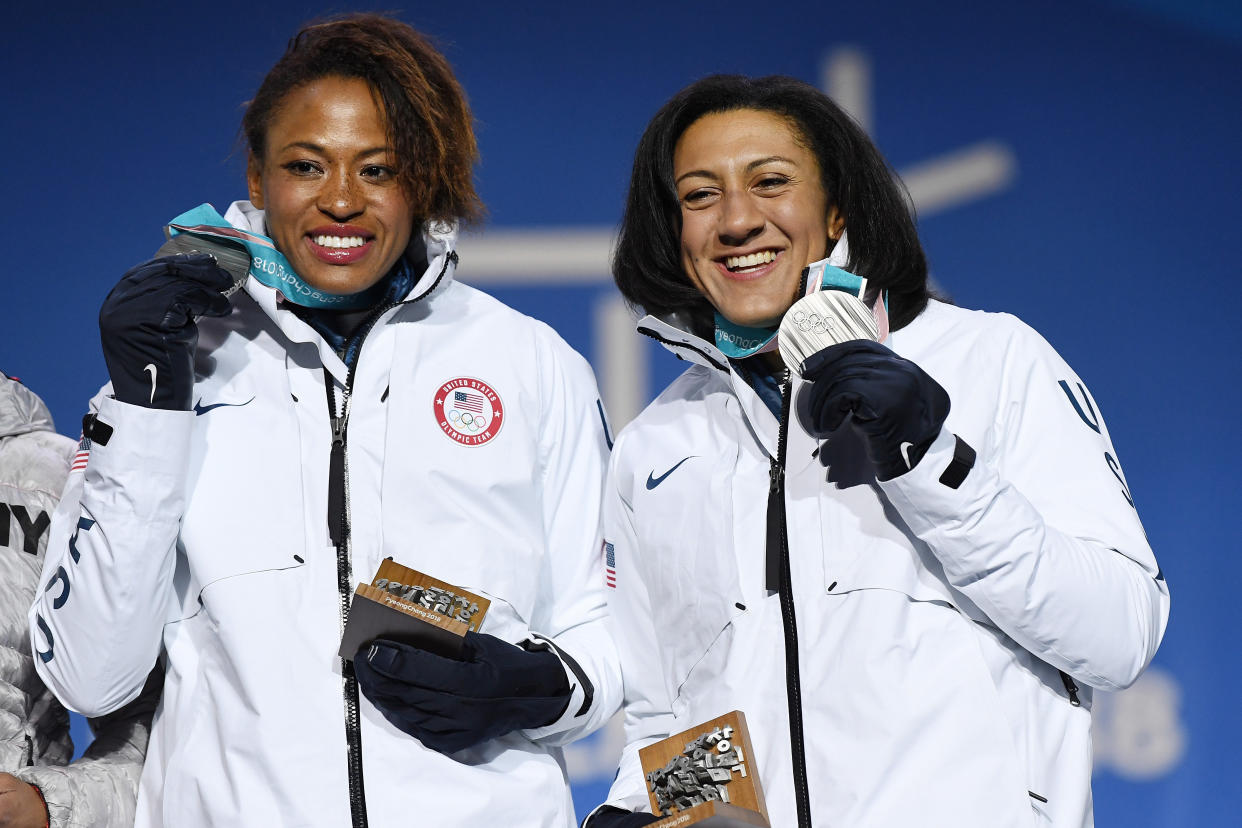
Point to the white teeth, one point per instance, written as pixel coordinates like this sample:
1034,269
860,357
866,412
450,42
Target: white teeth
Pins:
339,241
754,259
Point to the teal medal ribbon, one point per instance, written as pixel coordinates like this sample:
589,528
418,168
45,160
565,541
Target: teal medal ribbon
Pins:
269,266
739,341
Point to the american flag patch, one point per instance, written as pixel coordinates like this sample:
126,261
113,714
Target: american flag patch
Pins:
83,454
610,565
465,401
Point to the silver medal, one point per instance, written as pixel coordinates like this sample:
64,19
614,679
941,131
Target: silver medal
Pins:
232,257
826,317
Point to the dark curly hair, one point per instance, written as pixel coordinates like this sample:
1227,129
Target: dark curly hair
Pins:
884,246
426,116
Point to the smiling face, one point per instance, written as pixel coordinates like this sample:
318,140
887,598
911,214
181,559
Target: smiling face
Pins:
333,205
753,213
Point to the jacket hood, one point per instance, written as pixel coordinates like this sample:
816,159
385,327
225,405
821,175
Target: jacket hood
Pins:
21,410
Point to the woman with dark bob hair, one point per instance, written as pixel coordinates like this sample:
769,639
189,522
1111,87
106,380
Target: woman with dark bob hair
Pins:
891,531
299,394
884,247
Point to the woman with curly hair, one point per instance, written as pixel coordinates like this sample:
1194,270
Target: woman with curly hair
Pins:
259,452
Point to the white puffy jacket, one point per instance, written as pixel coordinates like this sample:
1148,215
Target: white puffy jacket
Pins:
99,789
931,625
202,537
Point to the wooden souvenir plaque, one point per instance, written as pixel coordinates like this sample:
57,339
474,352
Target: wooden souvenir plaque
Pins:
705,777
404,605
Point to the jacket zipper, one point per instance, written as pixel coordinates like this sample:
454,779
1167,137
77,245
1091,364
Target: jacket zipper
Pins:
780,579
338,532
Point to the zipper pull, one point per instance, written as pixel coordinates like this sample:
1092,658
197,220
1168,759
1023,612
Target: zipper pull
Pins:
776,475
337,519
1071,688
776,472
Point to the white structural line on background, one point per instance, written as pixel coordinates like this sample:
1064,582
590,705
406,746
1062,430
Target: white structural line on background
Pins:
619,360
580,255
845,76
543,255
959,177
935,185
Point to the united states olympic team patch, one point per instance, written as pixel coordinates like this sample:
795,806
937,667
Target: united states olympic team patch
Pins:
469,411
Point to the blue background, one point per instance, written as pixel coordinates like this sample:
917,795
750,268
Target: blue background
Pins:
1116,234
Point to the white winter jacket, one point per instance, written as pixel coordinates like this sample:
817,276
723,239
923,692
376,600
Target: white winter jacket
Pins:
201,537
930,624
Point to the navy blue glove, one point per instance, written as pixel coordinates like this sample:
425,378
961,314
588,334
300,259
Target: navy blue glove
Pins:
610,817
450,705
896,406
147,327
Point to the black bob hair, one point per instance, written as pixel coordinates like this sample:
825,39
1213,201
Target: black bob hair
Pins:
883,244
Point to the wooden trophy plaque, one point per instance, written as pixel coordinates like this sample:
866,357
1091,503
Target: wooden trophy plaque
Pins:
404,605
705,777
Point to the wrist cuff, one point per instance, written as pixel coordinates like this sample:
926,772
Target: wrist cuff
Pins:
47,812
961,464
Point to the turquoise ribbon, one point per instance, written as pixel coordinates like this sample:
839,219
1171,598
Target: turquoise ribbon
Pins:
268,265
740,341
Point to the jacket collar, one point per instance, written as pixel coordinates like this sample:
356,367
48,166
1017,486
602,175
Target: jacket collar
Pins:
439,240
681,343
686,346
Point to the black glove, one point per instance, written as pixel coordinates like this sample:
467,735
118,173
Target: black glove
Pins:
147,326
897,407
610,817
450,705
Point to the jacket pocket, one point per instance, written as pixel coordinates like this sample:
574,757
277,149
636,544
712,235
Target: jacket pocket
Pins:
866,545
1039,807
691,614
688,562
255,495
195,572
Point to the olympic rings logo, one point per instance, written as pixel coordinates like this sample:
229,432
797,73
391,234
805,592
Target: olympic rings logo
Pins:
813,323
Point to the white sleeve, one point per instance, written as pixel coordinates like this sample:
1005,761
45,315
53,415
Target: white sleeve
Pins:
572,609
1042,534
648,708
97,622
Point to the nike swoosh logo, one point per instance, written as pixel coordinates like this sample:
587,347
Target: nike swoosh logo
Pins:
905,454
153,371
653,481
200,409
